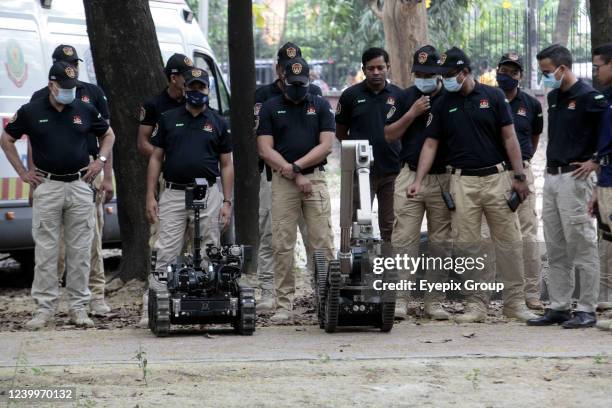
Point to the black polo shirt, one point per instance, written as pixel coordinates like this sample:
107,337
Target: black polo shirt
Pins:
88,93
528,121
365,112
192,145
470,126
152,109
59,139
295,127
574,118
414,137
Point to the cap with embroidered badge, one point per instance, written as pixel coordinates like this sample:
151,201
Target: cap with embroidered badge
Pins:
297,71
64,52
426,60
453,59
195,75
288,51
511,58
64,74
177,64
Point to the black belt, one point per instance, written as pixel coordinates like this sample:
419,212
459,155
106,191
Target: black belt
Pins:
433,170
66,178
561,169
605,160
311,170
485,171
182,187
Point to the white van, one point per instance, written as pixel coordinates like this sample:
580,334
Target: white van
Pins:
29,32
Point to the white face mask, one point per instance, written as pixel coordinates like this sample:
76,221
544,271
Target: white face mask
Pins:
451,84
65,96
426,85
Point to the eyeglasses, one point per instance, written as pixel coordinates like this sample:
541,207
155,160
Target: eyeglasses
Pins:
596,67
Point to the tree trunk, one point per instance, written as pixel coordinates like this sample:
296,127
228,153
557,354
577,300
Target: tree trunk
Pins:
242,75
128,67
565,13
601,32
405,23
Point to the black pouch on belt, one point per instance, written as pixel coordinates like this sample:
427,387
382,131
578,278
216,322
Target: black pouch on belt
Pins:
447,197
514,201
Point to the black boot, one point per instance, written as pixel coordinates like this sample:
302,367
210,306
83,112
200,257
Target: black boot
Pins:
580,321
550,317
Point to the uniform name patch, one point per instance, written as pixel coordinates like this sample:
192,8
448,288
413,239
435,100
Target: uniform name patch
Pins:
179,124
361,100
484,104
452,110
281,112
43,120
599,97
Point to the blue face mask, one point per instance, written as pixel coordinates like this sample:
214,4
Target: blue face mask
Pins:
550,81
196,98
65,96
426,85
506,82
451,84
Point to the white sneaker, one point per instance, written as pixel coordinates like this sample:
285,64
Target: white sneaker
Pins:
267,302
144,318
99,307
281,316
401,308
79,318
40,319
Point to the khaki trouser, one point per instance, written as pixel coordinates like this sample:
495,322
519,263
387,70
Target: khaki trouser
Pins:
55,205
265,256
409,214
154,228
528,219
287,203
173,220
97,278
604,202
477,196
571,241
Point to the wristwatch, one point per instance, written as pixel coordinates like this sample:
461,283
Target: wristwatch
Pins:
520,177
225,200
296,169
103,159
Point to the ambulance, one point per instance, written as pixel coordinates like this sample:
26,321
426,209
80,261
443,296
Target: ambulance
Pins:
29,32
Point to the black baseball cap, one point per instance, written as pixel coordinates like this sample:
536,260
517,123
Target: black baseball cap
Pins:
177,64
64,74
426,60
297,71
511,58
288,51
195,75
453,59
64,52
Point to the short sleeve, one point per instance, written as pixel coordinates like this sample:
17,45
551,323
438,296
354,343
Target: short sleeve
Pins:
99,126
504,114
344,109
538,118
433,126
225,138
326,117
596,103
18,124
148,114
102,103
158,137
264,126
315,90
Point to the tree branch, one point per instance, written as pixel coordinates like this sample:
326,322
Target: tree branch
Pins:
376,8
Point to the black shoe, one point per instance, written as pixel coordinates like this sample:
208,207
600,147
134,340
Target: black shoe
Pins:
550,317
580,321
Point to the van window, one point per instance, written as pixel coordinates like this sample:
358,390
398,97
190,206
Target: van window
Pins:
219,97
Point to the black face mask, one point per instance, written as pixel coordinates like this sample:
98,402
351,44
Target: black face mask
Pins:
506,82
296,93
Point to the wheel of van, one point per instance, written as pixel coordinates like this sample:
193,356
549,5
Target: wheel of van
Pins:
25,258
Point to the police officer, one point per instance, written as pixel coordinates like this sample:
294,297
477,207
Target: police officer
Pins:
528,123
172,97
295,135
57,128
574,116
475,123
602,69
407,123
265,262
191,142
360,115
103,183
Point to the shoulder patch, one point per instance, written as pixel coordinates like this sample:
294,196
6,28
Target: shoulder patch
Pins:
391,112
429,119
257,108
338,108
155,130
142,113
13,118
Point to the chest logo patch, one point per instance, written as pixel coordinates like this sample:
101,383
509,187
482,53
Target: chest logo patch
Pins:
390,100
311,110
85,98
391,112
76,119
522,111
257,109
571,105
208,127
484,104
